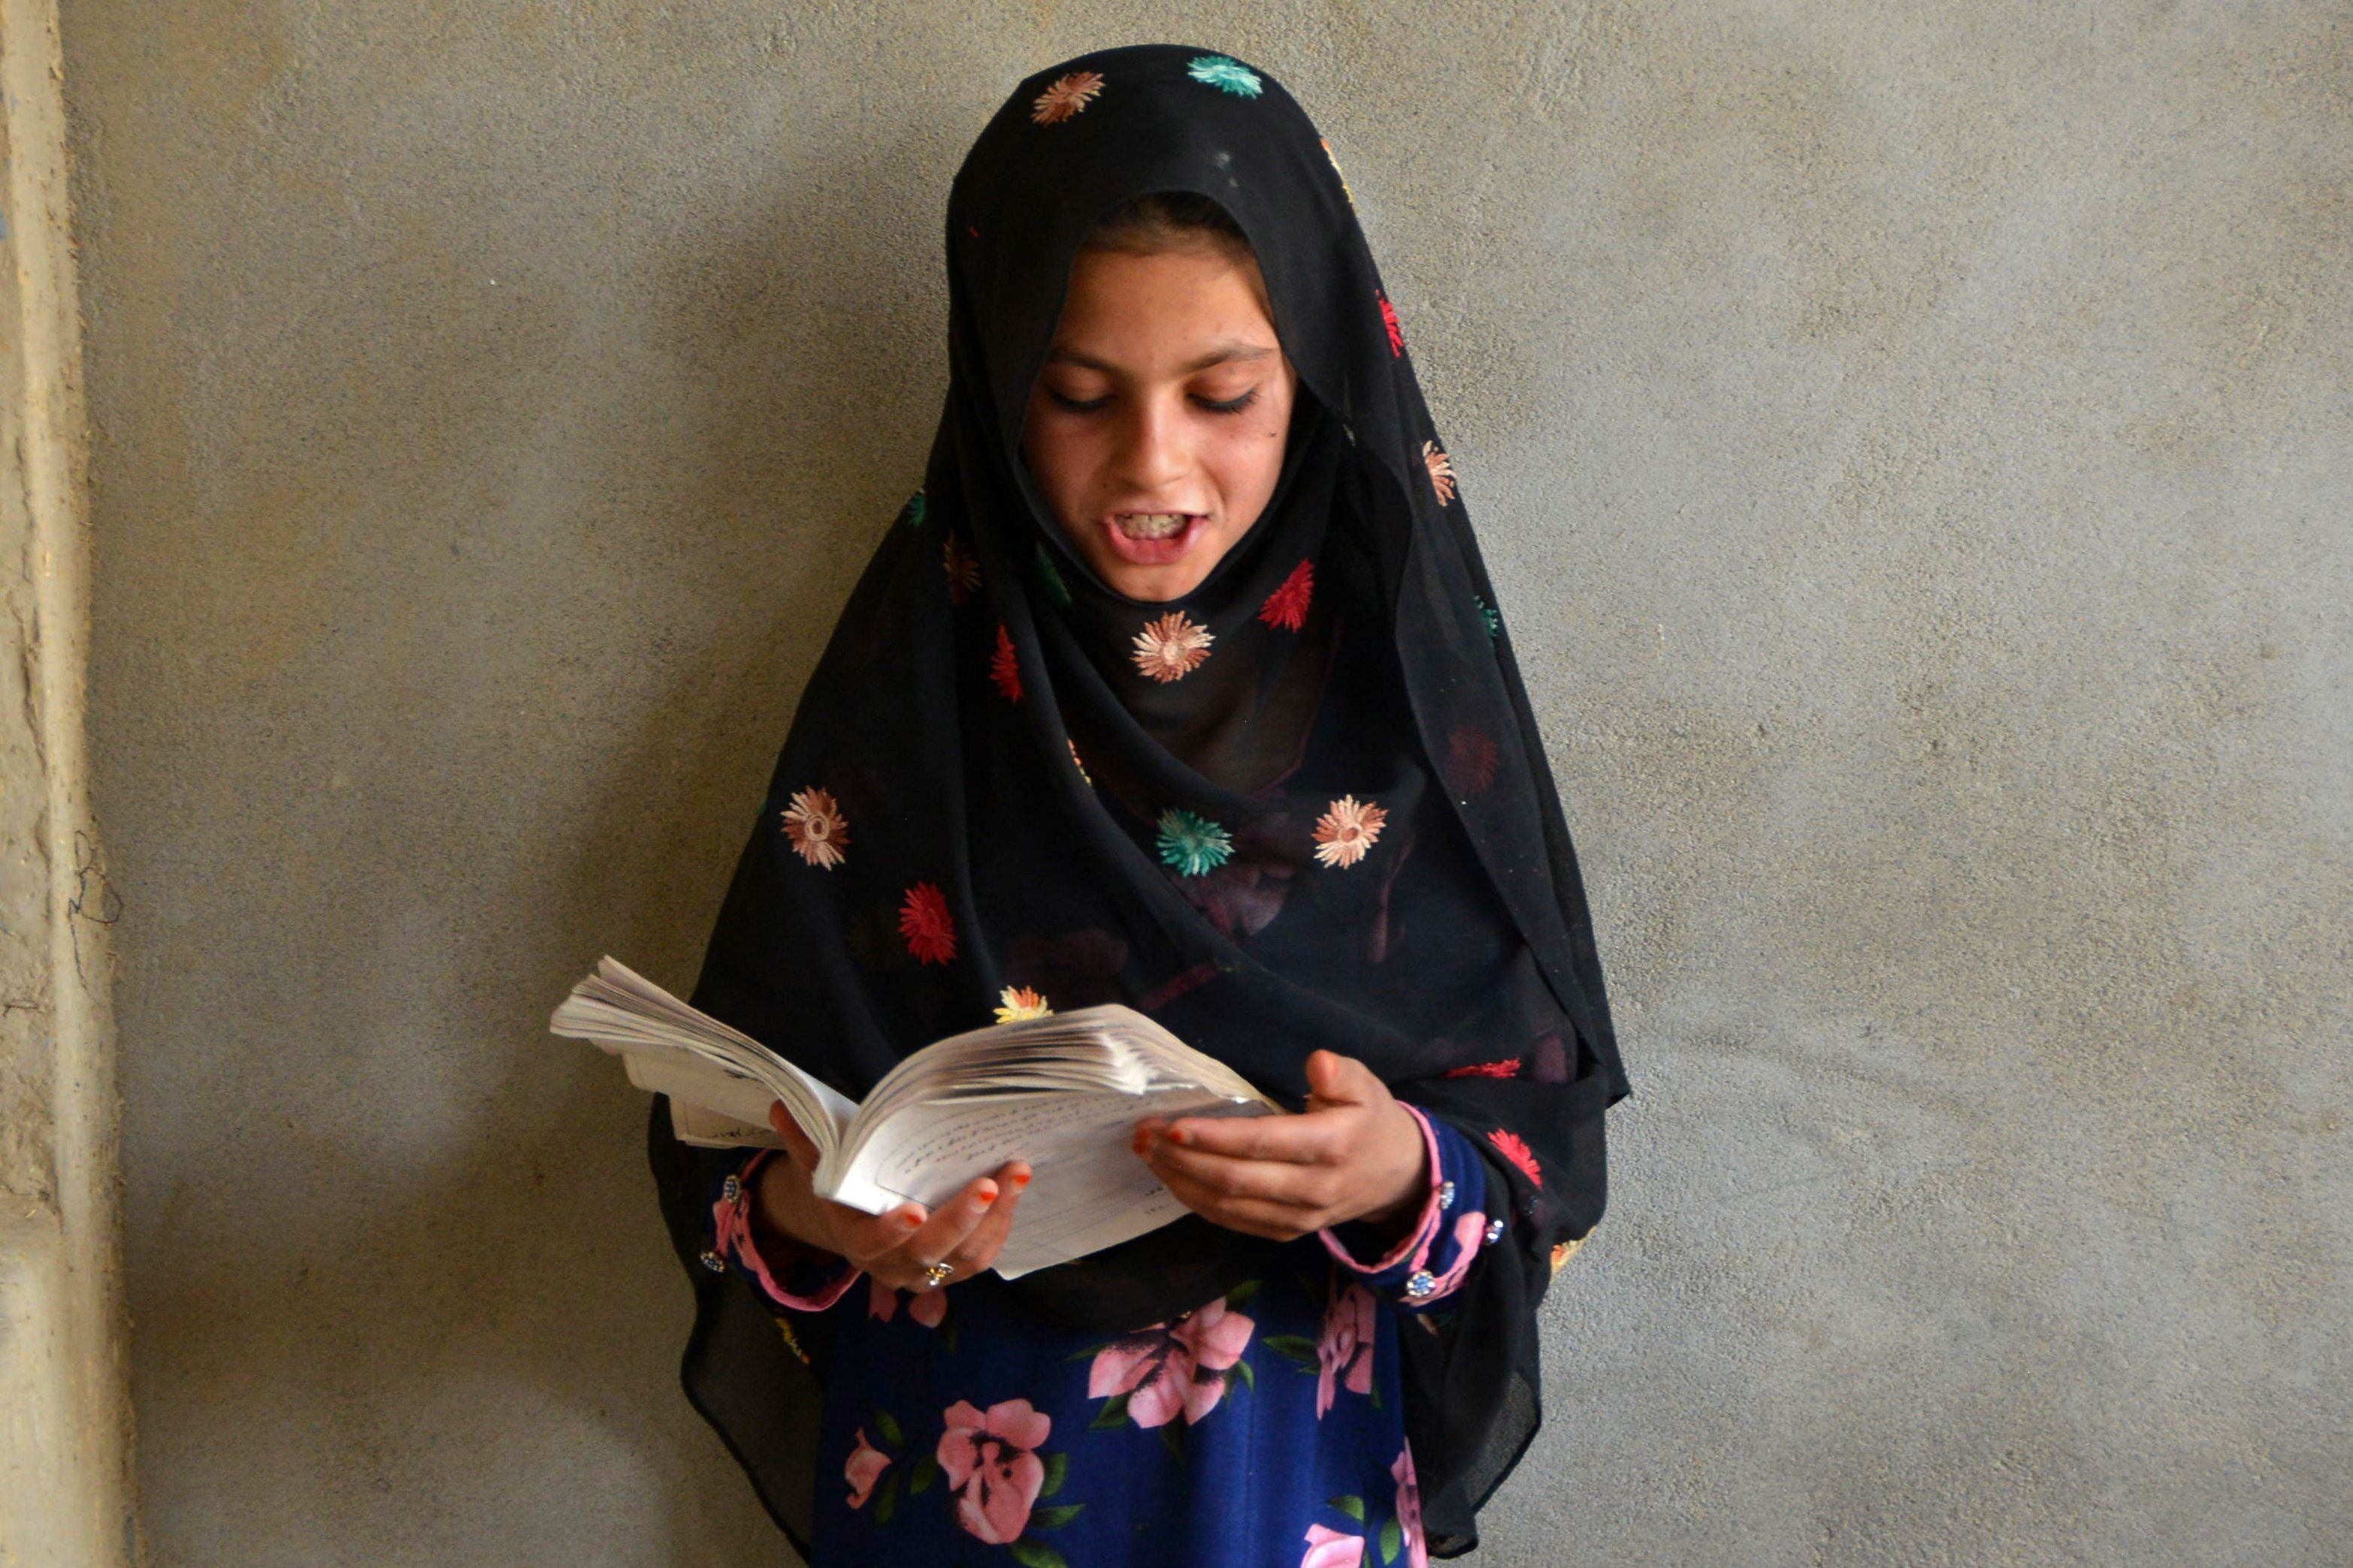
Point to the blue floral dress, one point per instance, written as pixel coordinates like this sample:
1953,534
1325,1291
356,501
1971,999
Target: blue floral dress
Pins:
1262,1428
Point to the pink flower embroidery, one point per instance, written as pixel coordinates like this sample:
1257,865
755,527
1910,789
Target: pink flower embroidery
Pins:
1345,1349
964,570
1005,667
1067,95
1172,647
1389,320
991,1460
1349,828
926,925
1409,1509
1513,1147
866,1466
930,1308
1286,608
813,824
1015,1002
1163,1370
1441,472
1508,1068
1470,760
1330,1549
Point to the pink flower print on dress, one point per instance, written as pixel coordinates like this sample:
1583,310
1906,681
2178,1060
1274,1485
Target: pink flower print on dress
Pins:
1172,647
866,1466
1515,1148
1005,667
964,570
992,1459
1390,321
926,926
1508,1068
813,824
1286,608
1441,472
1164,1370
930,1308
1065,96
1015,1002
1409,1509
1330,1549
1344,1352
1348,830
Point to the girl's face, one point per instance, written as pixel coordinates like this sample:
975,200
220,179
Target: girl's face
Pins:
1156,430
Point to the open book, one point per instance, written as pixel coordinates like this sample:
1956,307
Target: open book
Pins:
1064,1092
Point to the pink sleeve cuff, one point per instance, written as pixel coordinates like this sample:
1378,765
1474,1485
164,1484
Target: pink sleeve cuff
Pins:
731,1220
1415,1248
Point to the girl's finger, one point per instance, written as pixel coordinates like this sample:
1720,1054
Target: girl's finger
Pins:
1314,1137
797,1147
950,1224
1274,1180
987,1238
1281,1222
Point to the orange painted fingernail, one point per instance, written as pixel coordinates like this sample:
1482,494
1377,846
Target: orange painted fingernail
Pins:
1181,1136
910,1221
1020,1178
987,1195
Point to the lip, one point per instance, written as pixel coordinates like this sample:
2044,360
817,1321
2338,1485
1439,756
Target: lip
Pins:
1155,552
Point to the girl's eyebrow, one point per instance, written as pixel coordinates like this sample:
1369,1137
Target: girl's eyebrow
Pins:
1232,352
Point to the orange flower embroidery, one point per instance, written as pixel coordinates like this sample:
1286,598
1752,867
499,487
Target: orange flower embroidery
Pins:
1066,96
926,923
1344,833
1078,762
1512,1147
1508,1068
1441,472
1172,647
1005,667
813,824
1286,608
1563,1252
1015,1002
964,570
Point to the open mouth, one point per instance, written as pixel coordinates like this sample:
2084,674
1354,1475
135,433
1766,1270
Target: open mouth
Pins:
1153,537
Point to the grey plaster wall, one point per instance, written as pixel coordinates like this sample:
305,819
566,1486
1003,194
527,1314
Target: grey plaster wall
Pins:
1915,440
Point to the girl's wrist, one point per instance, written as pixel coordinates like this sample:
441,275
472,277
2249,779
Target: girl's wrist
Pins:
783,1205
1409,1150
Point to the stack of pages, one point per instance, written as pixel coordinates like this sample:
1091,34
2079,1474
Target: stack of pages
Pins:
1062,1092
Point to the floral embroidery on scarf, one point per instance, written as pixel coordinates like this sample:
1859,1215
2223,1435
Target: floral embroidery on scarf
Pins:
813,824
1005,667
1441,472
1067,95
1470,760
1563,1252
1515,1148
1344,1353
1348,830
926,923
866,1466
1226,75
1390,321
1079,762
913,511
1172,647
1051,578
964,570
1335,159
1192,843
1152,1374
1286,608
992,1461
1508,1068
1015,1002
1490,618
1327,1547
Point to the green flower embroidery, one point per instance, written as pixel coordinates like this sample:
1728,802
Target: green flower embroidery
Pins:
1193,845
913,511
1494,619
1056,589
1226,75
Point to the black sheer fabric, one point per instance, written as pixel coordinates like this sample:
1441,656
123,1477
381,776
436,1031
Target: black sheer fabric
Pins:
1304,806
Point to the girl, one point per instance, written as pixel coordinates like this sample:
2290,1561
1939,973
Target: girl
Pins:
1180,684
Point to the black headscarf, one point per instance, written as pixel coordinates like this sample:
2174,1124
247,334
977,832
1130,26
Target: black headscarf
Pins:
1303,807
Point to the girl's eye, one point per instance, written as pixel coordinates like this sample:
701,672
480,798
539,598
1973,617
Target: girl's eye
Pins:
1077,404
1231,405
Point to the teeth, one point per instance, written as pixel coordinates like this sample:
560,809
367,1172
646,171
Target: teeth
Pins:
1150,524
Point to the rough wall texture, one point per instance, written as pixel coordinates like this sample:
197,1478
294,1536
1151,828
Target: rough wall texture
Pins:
1914,441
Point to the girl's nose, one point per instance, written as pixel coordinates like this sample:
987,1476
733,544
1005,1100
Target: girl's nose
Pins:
1156,451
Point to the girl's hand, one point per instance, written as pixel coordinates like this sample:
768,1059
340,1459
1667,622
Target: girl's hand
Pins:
898,1248
1355,1154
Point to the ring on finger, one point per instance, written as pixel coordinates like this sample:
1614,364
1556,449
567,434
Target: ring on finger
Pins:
937,1275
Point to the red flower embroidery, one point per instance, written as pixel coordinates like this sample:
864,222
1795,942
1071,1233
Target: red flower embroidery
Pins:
1005,667
964,570
926,923
1510,1147
1286,608
1389,320
1441,472
1470,760
1508,1068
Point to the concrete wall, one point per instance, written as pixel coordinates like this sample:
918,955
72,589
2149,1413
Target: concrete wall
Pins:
1916,443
